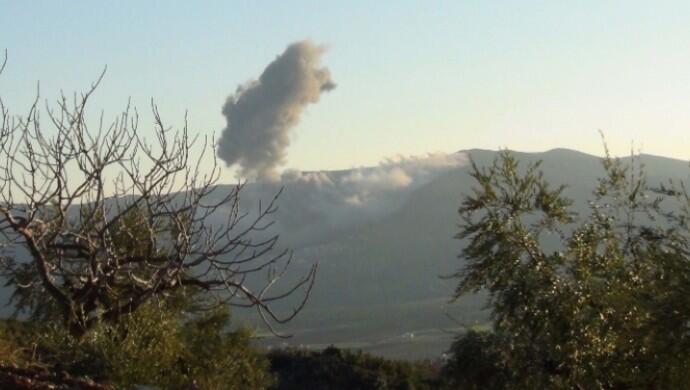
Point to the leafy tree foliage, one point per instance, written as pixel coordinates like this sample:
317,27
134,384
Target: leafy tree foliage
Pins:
592,301
12,350
336,369
476,363
158,346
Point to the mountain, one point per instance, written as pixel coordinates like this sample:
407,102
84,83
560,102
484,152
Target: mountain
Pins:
379,286
383,237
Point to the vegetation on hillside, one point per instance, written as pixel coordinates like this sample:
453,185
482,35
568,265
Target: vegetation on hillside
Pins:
164,346
338,369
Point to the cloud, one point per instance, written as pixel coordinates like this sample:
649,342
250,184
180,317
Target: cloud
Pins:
261,113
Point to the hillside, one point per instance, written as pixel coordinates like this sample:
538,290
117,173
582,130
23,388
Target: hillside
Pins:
379,284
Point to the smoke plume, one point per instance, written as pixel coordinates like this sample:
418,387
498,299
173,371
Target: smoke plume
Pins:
316,204
261,113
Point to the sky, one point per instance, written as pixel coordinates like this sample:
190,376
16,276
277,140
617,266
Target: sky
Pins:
413,77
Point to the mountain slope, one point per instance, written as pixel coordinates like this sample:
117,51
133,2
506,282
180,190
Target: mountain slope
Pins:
381,256
379,270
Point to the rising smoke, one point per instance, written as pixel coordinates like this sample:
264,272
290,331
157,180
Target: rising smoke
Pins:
315,204
261,113
260,116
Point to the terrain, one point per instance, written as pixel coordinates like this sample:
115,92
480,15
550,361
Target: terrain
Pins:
380,285
385,248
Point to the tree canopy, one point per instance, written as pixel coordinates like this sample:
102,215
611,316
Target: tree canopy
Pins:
580,301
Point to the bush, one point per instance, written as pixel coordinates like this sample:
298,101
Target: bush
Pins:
336,369
476,363
14,349
159,347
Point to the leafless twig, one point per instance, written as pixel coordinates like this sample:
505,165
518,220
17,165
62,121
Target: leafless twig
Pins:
111,220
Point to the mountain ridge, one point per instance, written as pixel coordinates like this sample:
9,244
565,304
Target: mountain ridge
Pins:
380,259
396,260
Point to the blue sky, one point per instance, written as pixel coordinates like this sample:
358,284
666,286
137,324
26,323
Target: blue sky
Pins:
413,76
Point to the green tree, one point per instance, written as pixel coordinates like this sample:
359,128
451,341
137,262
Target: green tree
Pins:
476,363
592,301
337,369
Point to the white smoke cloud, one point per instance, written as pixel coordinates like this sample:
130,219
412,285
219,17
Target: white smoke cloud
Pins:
391,176
261,114
260,117
316,203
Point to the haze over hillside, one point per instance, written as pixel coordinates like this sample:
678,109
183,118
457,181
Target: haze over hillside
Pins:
383,237
379,267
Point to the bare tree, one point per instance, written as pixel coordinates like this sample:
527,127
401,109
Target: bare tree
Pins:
110,220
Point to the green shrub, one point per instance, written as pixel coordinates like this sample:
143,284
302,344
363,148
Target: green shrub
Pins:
336,369
14,349
476,363
160,347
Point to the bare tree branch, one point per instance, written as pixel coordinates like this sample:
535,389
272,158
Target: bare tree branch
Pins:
111,219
